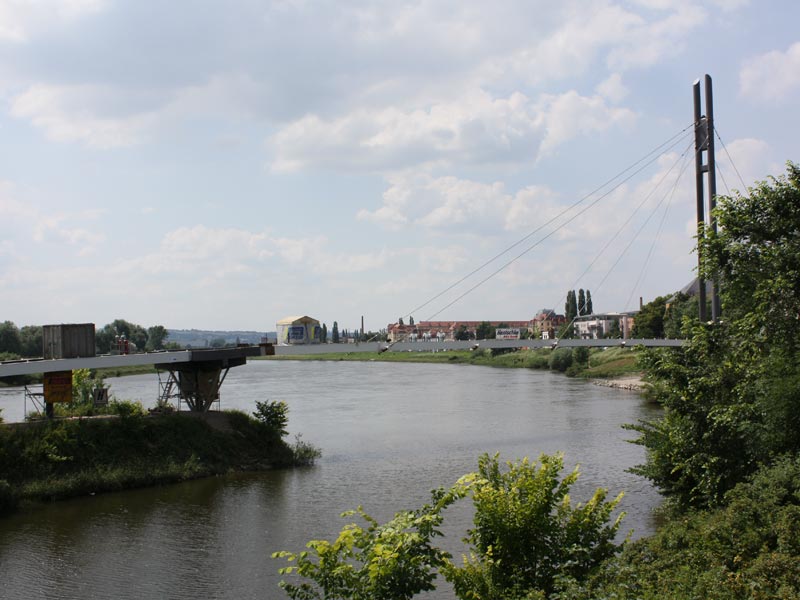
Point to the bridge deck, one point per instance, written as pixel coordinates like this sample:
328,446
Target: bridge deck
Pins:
39,365
28,367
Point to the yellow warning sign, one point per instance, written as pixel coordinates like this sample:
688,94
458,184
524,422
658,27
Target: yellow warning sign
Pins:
58,386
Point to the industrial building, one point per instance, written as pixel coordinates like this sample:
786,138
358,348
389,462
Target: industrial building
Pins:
298,330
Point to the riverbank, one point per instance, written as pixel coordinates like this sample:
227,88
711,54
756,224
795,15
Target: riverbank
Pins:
53,460
615,367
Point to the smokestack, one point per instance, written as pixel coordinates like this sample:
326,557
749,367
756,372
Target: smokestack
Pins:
641,304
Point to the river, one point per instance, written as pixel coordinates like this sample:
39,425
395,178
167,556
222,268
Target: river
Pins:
389,434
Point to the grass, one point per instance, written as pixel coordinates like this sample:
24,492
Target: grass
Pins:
50,460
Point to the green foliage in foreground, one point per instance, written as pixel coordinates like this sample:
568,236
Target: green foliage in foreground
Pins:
528,541
748,549
732,393
70,457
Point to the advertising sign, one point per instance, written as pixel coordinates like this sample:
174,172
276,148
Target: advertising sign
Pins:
58,386
507,334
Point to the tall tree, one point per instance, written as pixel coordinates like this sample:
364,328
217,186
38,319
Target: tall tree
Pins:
589,307
411,321
156,337
335,333
324,333
400,321
582,302
571,306
9,338
649,322
731,393
31,339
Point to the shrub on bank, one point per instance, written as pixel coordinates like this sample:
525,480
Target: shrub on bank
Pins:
561,359
69,457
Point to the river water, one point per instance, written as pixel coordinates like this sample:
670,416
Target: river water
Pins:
389,434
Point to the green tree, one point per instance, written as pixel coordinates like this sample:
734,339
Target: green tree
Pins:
9,338
589,307
156,337
614,331
680,307
274,415
582,302
649,321
731,395
335,333
484,331
105,337
411,321
462,333
324,339
571,306
31,340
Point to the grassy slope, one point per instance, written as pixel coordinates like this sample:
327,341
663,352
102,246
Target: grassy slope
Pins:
51,460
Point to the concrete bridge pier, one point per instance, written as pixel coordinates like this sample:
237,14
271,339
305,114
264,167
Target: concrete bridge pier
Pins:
200,379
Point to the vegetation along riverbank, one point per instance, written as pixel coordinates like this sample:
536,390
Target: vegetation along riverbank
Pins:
67,457
576,362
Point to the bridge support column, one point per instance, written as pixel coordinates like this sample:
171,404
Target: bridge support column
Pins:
704,142
199,382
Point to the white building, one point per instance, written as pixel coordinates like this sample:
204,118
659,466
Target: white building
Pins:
596,326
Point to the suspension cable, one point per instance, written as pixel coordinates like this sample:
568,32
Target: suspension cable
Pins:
669,142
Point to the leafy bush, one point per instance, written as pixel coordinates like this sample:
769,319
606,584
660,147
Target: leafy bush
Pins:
274,415
527,534
394,561
748,549
561,359
126,408
580,355
304,453
528,541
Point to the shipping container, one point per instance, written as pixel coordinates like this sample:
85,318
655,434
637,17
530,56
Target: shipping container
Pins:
73,340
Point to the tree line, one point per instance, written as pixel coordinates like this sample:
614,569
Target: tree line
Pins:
26,341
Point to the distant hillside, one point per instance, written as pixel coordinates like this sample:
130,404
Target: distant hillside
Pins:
201,338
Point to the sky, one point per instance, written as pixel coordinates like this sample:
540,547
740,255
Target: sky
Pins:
222,165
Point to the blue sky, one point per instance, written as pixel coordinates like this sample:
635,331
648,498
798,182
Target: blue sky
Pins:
225,164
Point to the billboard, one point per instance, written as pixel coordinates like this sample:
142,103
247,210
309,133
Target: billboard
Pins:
58,386
507,334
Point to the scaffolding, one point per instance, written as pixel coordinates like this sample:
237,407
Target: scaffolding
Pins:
36,396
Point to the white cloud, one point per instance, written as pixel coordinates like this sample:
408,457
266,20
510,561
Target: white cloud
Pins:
612,88
772,77
68,114
19,19
750,158
26,221
477,130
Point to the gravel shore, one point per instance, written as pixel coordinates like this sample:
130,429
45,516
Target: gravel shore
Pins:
629,382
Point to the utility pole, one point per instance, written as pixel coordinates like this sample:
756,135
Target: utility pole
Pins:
704,142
